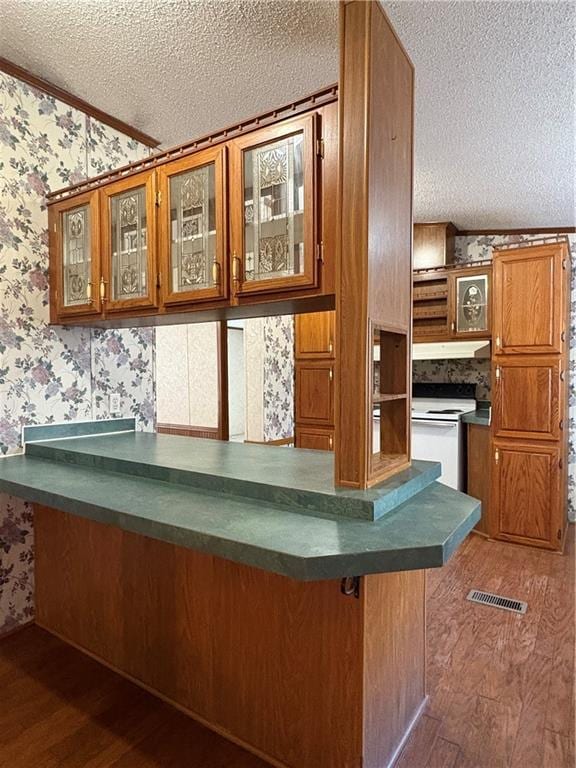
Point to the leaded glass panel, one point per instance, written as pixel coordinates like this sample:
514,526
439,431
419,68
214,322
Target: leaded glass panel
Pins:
274,209
76,255
129,245
193,229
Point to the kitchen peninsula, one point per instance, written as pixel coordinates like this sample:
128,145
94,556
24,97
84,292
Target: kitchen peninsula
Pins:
236,582
276,595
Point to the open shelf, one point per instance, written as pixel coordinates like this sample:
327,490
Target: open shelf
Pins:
377,397
390,442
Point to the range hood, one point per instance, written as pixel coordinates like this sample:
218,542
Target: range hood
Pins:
451,350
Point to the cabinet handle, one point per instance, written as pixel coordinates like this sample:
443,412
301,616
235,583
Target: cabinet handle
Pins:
235,269
561,375
561,424
102,289
452,326
496,455
497,373
331,374
89,292
330,346
216,273
331,442
498,342
563,336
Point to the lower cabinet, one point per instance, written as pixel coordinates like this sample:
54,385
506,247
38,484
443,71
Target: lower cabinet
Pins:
314,381
315,392
315,437
478,444
527,504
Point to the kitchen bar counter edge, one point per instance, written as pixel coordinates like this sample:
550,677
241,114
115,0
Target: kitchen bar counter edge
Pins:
422,532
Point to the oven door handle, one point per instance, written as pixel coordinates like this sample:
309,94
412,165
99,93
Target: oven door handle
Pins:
435,423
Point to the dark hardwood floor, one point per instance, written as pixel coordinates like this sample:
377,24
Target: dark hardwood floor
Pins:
500,685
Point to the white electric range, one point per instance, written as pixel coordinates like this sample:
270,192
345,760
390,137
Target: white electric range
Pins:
437,431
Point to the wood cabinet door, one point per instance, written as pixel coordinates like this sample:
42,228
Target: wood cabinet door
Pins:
273,208
528,299
129,267
315,438
469,303
314,335
192,227
527,398
478,475
315,393
526,500
74,237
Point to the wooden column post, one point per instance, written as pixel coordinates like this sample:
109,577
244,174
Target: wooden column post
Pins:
374,274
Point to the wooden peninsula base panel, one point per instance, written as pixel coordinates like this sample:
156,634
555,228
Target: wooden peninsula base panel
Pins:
297,672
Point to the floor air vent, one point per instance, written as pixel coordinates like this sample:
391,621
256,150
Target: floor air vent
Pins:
496,601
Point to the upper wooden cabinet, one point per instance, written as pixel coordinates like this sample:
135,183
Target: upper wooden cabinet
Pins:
192,227
469,303
129,273
74,227
273,221
434,244
452,304
529,300
314,335
245,216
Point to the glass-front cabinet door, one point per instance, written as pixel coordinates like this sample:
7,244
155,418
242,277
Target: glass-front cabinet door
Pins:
129,278
470,298
192,227
75,241
273,208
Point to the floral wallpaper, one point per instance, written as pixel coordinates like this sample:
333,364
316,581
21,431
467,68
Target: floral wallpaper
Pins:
457,371
269,371
469,249
278,377
47,373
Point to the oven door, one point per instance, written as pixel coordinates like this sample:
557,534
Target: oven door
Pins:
437,440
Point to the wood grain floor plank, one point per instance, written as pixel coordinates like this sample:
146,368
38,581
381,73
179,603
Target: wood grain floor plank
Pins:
557,751
418,749
500,686
444,755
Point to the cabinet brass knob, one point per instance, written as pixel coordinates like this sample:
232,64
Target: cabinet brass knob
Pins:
102,289
89,292
331,442
216,273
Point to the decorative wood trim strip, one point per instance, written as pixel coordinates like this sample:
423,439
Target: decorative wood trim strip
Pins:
529,243
295,108
280,441
211,433
526,231
445,268
74,101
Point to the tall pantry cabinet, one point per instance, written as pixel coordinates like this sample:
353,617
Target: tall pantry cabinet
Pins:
530,394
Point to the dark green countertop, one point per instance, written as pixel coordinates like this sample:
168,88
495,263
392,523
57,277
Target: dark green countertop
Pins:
76,476
300,479
481,417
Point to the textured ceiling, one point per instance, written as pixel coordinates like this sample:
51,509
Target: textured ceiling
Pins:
495,138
